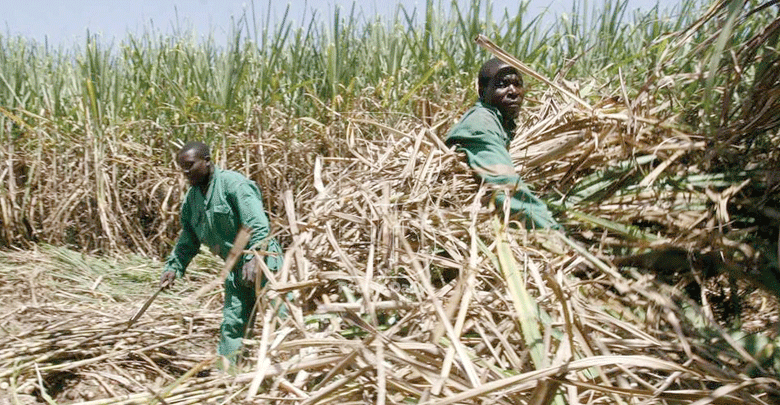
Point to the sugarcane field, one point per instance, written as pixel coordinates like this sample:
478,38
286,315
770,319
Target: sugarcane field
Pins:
649,142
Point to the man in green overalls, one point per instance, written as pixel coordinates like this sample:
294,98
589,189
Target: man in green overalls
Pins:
484,134
218,203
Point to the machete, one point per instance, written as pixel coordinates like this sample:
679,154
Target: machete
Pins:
145,306
242,238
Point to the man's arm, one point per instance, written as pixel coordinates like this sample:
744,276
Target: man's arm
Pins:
525,203
249,204
186,248
487,155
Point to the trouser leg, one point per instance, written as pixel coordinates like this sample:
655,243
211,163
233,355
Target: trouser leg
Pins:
237,314
238,311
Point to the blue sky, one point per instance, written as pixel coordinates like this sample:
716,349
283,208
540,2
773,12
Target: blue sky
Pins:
63,22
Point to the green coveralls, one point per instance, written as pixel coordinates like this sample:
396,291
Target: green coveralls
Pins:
486,143
214,220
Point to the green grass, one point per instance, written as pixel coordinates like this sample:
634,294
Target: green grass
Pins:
180,81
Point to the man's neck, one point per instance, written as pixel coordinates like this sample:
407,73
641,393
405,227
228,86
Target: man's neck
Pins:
509,124
204,187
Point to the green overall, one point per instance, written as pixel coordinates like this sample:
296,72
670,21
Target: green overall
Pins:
485,141
232,200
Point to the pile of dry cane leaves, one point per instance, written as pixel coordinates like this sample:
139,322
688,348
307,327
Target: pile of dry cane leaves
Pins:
401,286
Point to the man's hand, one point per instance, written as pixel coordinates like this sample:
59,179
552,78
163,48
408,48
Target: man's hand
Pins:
249,271
167,279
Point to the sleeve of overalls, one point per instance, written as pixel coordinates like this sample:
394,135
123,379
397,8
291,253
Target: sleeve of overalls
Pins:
249,204
488,156
525,203
187,246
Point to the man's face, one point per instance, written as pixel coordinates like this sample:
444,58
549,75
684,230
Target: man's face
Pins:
195,168
505,91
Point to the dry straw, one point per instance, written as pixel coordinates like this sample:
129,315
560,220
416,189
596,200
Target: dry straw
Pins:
401,286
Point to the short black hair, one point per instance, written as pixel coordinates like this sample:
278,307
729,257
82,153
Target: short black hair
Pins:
490,69
201,148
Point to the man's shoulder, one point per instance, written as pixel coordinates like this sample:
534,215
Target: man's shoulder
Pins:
232,181
478,119
481,112
230,176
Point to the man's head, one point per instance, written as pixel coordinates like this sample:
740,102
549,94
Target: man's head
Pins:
501,86
195,161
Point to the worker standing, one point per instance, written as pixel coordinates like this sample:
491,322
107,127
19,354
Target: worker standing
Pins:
218,203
